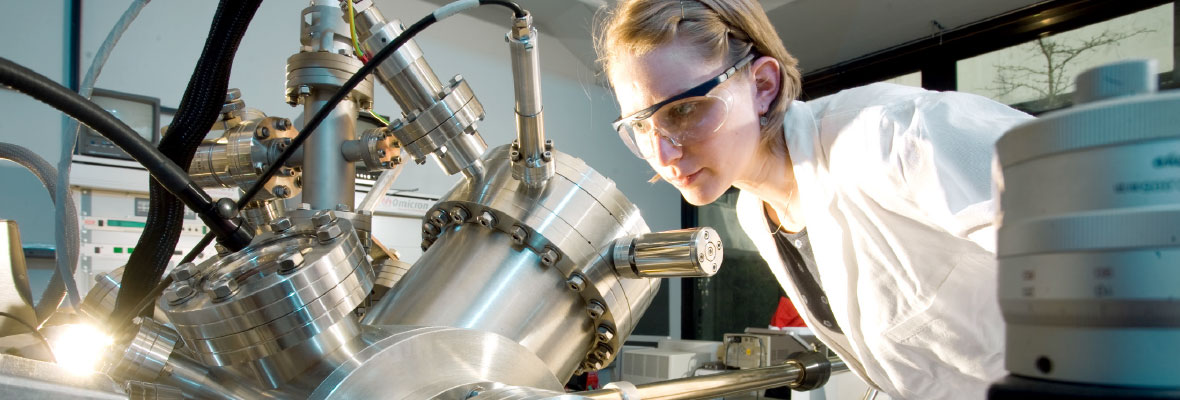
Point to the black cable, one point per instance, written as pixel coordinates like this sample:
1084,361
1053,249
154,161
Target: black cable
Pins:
34,331
175,179
516,10
199,109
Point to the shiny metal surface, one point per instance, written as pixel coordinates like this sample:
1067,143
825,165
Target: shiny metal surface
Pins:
716,385
14,274
376,149
261,213
532,159
692,252
99,302
137,390
146,355
272,310
512,239
242,153
438,118
451,363
322,162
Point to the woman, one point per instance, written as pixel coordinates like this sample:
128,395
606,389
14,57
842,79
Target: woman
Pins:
873,207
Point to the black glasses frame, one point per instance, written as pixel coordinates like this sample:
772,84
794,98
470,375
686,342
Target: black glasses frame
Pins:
696,91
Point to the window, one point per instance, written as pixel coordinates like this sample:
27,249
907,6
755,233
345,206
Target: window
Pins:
911,79
1038,75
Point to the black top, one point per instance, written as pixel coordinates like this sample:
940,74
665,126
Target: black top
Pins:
795,250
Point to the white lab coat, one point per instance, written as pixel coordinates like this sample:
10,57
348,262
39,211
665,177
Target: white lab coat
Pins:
896,189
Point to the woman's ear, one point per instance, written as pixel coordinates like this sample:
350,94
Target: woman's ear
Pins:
767,79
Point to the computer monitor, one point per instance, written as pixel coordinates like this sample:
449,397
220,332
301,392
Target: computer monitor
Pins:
141,113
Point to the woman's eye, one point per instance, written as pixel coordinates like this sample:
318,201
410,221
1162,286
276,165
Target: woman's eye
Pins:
640,126
683,109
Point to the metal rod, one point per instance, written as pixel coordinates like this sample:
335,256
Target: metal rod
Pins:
711,386
380,187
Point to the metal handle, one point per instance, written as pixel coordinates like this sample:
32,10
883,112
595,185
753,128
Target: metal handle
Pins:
694,252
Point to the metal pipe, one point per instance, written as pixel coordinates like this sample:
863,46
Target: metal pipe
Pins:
532,162
195,380
711,386
327,176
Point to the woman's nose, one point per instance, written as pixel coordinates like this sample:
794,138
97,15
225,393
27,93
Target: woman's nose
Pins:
666,151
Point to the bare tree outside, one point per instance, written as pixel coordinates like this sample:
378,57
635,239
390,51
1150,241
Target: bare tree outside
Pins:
1050,74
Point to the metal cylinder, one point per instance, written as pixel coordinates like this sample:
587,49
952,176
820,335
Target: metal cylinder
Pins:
488,241
533,164
1087,246
328,177
710,386
694,252
243,153
439,118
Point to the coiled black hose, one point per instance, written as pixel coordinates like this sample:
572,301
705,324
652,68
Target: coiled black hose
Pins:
199,109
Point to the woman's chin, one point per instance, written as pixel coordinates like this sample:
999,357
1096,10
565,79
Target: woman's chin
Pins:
699,195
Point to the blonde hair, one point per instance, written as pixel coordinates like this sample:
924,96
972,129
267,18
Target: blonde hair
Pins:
719,29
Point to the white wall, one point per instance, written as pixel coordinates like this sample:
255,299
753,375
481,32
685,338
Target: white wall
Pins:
157,54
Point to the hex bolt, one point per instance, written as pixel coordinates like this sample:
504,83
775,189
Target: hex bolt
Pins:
397,159
514,155
595,309
304,90
547,156
289,263
548,144
282,124
262,133
328,232
281,191
281,224
550,257
439,217
287,171
323,217
576,282
184,272
223,288
381,153
487,219
519,235
221,250
605,333
458,214
179,294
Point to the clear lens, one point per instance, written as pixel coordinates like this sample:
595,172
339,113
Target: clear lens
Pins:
682,123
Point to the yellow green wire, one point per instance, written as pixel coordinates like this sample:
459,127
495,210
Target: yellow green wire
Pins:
352,30
378,117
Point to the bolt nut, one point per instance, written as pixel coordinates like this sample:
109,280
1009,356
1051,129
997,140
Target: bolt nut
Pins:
576,282
282,124
547,156
328,232
223,288
605,333
548,145
514,155
519,235
550,257
381,153
458,214
595,309
397,159
323,217
304,90
262,133
281,224
430,229
439,217
426,244
221,250
487,219
179,294
290,262
184,272
281,191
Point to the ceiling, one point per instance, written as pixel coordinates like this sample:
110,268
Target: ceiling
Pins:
820,33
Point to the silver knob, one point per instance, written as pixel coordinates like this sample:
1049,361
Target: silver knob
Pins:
695,252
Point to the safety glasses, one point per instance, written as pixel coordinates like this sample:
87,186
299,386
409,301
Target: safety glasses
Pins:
684,119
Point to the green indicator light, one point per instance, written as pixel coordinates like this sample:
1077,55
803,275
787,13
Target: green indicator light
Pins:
118,250
126,224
